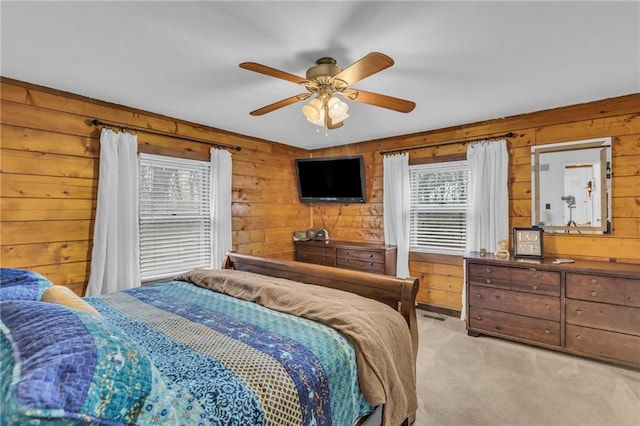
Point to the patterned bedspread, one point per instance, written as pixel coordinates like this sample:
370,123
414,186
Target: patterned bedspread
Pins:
228,361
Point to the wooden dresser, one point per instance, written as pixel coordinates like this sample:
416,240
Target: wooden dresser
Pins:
358,255
585,308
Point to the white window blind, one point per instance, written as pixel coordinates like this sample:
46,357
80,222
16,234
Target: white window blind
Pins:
175,216
438,217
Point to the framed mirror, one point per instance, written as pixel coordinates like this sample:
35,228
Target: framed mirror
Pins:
571,186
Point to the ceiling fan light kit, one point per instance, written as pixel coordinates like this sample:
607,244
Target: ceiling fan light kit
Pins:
324,81
314,110
337,109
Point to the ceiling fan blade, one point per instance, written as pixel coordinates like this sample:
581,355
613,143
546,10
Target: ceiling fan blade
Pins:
283,103
272,72
383,101
370,64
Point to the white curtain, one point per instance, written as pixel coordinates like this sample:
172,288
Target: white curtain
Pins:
488,206
221,208
396,208
115,257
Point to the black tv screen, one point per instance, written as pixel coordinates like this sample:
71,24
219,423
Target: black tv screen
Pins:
331,180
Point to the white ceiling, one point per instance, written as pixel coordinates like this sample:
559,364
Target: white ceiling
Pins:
461,62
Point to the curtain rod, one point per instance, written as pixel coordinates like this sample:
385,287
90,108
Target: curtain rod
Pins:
97,122
410,148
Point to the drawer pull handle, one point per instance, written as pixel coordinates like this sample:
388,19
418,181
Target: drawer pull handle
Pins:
370,263
578,337
547,331
535,287
479,317
370,256
547,307
488,280
579,312
347,252
488,270
535,275
479,296
594,294
593,281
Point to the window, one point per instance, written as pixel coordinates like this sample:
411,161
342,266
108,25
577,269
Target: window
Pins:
175,216
439,207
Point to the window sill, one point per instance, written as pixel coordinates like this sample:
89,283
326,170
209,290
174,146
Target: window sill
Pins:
450,259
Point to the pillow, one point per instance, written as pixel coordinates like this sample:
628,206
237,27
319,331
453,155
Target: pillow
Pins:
66,366
65,296
20,284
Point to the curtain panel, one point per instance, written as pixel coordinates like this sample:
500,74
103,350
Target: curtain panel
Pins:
115,254
396,205
221,174
488,206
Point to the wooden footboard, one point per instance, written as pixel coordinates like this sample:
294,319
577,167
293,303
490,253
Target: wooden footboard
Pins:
398,293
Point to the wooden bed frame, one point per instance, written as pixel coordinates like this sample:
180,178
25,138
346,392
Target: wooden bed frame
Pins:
398,293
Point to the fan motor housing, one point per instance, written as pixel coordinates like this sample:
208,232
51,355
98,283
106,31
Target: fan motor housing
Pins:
325,67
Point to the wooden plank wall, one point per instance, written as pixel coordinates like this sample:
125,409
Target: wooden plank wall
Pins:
48,182
441,277
49,171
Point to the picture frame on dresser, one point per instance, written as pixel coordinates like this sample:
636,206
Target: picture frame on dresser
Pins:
528,242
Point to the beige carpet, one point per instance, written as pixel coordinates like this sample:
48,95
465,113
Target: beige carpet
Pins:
465,380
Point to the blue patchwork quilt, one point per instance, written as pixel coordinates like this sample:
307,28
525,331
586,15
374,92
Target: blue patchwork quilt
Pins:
64,366
172,353
228,361
21,284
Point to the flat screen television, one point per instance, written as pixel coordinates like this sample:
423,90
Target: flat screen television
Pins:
331,179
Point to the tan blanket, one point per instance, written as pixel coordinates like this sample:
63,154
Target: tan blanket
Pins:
380,334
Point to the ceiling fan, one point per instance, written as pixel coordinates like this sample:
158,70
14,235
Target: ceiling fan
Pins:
324,81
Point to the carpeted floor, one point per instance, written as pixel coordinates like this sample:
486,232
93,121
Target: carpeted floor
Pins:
465,380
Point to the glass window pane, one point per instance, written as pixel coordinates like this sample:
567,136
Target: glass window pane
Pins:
439,195
174,215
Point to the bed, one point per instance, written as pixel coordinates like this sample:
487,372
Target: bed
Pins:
261,341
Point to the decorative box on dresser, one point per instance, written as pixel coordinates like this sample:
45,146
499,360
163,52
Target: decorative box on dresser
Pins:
586,308
358,255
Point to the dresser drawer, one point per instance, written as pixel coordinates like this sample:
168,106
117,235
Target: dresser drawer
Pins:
623,319
489,275
531,305
489,271
535,281
596,288
361,265
322,250
535,329
371,256
622,347
632,293
318,259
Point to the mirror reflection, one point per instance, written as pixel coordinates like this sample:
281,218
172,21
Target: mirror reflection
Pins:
571,186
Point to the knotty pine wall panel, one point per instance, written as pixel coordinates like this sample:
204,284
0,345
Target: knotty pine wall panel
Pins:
49,173
441,277
50,168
